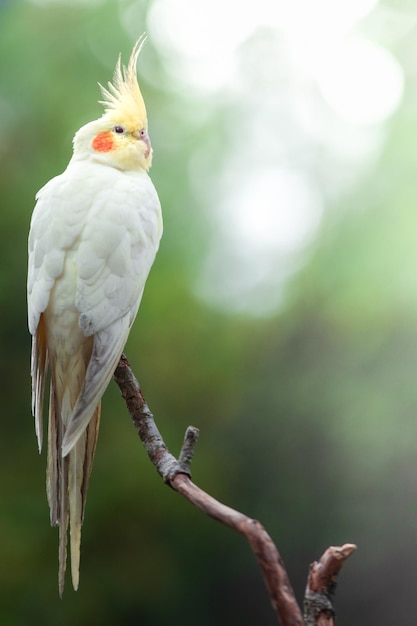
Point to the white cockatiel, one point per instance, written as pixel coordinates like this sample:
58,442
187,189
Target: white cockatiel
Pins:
94,234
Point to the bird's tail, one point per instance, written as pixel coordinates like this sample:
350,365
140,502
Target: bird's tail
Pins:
68,477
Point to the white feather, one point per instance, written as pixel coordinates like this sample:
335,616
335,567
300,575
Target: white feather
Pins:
94,235
114,230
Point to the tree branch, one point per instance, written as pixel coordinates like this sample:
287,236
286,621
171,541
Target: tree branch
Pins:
318,608
176,473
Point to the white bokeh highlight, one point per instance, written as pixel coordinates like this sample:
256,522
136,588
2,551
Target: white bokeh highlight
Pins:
313,94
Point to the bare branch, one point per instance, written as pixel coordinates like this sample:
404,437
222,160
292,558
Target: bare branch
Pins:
187,450
268,557
318,608
176,473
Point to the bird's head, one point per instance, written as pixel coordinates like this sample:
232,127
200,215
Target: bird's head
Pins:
120,137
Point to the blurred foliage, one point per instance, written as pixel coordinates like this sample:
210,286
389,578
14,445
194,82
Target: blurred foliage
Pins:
308,417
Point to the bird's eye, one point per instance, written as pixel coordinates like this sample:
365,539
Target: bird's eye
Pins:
119,130
142,133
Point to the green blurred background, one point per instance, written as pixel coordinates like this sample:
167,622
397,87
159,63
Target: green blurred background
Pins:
280,316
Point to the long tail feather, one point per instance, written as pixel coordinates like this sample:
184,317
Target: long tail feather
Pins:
68,476
53,467
63,524
80,465
39,370
75,497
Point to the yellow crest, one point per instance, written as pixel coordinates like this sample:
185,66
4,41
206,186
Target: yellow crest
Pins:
123,96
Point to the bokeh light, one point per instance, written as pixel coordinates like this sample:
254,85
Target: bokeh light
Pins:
297,78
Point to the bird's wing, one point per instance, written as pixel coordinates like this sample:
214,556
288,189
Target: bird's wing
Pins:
116,251
54,229
46,250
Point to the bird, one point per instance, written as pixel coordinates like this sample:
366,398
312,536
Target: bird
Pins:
94,234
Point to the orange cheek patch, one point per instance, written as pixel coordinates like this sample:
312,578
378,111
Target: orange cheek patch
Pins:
103,142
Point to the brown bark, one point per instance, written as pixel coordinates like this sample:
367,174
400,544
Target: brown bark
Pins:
318,608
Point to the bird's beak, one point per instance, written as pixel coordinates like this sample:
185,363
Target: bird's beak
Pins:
145,138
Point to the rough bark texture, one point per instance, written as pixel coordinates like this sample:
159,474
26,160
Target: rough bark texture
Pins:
177,474
321,583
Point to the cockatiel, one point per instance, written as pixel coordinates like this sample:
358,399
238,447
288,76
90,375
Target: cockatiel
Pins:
94,234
